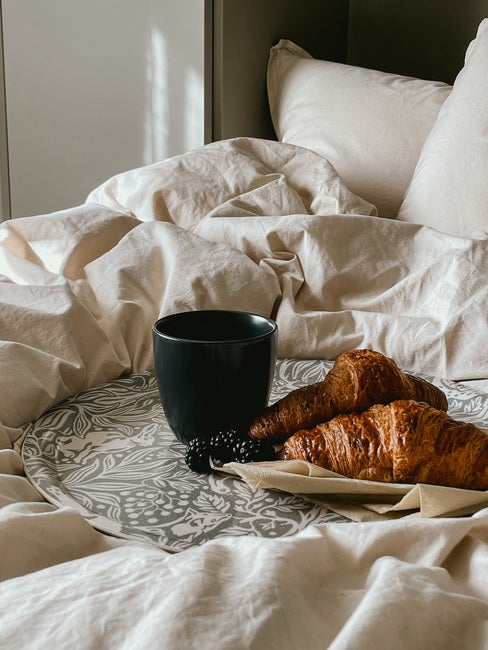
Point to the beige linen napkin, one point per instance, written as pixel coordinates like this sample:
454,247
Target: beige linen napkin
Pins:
356,499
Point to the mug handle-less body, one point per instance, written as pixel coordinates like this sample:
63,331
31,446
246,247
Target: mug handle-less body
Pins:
210,385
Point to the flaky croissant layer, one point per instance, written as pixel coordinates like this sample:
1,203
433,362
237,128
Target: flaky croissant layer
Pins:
357,380
405,441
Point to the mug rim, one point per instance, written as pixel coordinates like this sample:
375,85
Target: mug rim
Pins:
248,339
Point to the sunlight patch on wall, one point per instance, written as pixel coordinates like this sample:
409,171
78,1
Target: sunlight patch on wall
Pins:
156,123
174,107
193,114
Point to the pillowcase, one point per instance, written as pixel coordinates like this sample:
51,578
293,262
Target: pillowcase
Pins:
370,125
449,189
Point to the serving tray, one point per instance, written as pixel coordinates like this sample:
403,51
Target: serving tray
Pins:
108,452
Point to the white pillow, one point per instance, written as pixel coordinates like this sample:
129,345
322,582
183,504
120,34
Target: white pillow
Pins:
449,189
370,125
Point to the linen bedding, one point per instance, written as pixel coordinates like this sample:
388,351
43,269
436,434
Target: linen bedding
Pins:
271,228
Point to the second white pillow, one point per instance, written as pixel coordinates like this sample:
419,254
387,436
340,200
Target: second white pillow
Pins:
449,190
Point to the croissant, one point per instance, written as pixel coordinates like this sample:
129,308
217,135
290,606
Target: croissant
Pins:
357,380
402,442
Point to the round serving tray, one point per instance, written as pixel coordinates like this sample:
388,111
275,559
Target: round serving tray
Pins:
108,452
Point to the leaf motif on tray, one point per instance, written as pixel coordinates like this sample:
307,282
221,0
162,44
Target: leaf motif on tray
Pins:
109,452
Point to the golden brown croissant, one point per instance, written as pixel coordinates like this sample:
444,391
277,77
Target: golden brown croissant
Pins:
401,442
357,380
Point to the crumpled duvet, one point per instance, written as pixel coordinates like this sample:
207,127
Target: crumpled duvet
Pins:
403,585
266,227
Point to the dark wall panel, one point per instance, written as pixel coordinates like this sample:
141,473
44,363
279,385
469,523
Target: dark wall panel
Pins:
425,39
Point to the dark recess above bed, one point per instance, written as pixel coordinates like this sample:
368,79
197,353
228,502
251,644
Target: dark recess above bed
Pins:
425,39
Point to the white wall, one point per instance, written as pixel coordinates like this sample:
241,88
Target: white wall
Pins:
97,87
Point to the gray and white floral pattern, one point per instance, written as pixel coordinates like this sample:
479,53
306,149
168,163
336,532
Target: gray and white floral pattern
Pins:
108,452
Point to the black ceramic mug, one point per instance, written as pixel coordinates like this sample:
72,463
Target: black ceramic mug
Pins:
214,369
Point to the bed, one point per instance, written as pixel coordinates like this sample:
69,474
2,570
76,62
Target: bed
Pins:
342,193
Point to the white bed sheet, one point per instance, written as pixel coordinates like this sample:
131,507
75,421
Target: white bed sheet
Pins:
244,224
